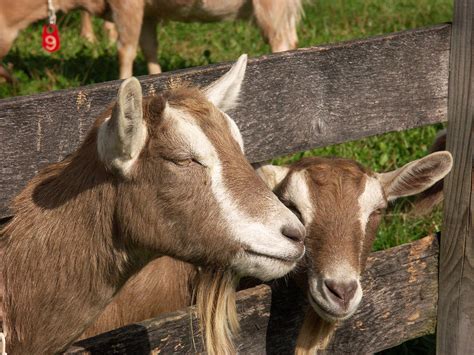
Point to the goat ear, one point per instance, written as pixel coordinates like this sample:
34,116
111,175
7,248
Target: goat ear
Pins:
416,176
122,137
224,92
272,175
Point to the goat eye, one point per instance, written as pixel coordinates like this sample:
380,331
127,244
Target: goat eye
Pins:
378,212
184,162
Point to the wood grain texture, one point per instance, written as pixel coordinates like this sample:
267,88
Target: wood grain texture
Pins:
456,295
292,101
400,288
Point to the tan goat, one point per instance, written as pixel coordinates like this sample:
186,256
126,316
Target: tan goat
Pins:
136,21
340,203
155,176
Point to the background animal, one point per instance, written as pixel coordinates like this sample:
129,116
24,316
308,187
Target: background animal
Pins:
136,22
155,176
341,204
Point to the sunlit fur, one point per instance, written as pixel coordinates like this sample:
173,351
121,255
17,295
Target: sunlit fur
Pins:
215,302
315,333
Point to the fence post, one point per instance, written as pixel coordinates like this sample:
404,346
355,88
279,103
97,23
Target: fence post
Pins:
455,333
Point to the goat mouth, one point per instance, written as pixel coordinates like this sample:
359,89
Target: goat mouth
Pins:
288,261
326,313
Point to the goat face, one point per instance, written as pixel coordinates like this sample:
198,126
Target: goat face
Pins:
183,176
341,205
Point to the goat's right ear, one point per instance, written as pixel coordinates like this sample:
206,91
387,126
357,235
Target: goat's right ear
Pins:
224,92
272,175
416,176
121,137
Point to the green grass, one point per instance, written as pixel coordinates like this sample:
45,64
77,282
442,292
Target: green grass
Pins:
186,45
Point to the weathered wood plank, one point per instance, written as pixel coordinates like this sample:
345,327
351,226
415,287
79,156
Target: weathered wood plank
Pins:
293,101
400,285
456,307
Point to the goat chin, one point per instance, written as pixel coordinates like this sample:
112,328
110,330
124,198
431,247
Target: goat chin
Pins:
216,308
315,333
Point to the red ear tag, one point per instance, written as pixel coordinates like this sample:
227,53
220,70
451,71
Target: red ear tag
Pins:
51,38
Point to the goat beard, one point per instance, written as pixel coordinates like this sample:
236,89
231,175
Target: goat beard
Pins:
216,308
315,333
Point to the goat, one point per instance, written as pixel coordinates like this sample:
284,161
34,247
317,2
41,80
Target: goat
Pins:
155,176
341,203
136,21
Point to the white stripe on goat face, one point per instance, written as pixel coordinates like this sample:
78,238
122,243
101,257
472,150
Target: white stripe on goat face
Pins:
260,238
371,199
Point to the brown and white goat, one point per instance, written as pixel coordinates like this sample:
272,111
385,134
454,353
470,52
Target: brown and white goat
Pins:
341,204
155,176
136,21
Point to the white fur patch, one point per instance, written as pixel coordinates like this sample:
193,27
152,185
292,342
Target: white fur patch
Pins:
298,192
234,129
371,199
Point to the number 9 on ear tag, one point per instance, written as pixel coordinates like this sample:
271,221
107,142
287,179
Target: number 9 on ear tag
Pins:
51,38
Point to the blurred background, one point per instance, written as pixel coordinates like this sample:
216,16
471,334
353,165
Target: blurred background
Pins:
183,45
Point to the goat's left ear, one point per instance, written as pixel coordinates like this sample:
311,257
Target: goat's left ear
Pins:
224,92
121,138
272,175
416,176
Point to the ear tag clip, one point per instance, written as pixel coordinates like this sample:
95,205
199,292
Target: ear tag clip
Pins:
51,38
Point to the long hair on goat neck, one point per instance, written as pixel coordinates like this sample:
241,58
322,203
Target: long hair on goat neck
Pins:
216,308
314,335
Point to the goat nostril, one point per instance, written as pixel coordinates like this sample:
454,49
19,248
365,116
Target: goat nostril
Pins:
341,292
293,233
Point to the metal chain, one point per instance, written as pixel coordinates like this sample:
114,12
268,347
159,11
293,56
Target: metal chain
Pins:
51,13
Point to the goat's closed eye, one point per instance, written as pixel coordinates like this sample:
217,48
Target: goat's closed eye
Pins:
185,162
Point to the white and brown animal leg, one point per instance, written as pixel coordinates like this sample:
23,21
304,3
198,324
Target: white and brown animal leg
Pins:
87,30
149,45
277,21
128,18
109,28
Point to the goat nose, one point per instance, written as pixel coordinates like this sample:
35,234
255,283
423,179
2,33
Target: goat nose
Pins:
341,292
295,233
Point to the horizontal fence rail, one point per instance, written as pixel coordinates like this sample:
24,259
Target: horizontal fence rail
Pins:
292,101
400,297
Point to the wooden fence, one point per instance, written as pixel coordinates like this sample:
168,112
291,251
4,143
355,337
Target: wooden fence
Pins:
296,101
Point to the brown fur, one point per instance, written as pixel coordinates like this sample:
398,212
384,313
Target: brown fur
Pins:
80,231
164,285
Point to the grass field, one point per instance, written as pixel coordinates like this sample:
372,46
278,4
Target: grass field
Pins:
185,45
